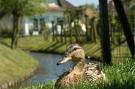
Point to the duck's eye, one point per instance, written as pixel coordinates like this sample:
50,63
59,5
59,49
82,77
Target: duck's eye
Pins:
74,49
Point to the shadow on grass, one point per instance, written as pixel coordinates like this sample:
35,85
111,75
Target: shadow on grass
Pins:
54,46
4,43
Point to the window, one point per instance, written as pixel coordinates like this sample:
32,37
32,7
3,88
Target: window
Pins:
47,18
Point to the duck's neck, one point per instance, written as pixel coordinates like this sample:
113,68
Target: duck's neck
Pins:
79,66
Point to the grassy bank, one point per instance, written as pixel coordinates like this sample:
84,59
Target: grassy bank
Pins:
37,43
14,64
120,76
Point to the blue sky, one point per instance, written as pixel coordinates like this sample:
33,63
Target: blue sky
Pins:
82,2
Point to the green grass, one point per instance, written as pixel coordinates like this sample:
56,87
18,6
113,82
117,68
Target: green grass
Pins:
119,76
14,64
37,43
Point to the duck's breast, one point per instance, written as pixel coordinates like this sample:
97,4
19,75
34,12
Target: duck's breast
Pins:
69,79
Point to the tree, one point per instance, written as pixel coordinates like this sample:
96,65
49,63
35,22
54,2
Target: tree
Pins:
19,8
77,29
105,37
87,28
43,29
126,28
53,30
69,24
93,35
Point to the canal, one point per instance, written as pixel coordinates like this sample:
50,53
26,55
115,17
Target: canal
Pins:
48,70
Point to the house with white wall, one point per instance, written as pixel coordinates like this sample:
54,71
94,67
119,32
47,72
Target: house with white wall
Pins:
54,11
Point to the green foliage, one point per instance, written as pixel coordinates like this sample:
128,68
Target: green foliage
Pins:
14,64
129,5
22,7
49,85
119,76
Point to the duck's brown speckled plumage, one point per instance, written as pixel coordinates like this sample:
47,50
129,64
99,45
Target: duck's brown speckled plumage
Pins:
81,70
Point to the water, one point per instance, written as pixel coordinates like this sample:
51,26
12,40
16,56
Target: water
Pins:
48,70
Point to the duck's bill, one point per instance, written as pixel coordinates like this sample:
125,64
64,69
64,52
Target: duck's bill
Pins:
64,60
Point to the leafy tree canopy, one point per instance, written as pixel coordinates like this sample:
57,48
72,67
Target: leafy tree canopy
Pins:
21,7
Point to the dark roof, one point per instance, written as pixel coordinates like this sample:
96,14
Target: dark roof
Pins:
65,4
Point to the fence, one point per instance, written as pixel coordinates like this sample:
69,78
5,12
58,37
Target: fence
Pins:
121,48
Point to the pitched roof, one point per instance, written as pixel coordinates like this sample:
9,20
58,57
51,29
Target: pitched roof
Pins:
57,5
51,7
65,4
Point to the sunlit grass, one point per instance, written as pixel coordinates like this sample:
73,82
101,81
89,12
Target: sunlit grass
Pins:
37,43
119,76
14,64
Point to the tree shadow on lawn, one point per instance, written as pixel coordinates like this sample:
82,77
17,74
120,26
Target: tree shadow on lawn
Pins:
4,43
54,46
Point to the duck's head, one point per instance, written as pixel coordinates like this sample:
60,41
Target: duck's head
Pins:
74,53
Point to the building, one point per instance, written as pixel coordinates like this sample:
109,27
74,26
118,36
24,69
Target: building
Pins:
54,11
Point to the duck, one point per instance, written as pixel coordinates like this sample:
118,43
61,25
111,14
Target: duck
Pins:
81,70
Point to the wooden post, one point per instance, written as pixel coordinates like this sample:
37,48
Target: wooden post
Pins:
105,37
126,27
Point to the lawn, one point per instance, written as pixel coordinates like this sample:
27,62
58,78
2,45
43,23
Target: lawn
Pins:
14,64
119,76
38,44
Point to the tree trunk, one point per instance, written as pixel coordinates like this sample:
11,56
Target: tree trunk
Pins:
105,37
87,29
53,28
70,28
64,32
61,34
14,40
126,27
94,32
56,34
77,31
64,29
43,29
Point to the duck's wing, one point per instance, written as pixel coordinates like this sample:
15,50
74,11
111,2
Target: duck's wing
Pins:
94,72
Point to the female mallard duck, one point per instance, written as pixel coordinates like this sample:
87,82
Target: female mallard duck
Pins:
80,71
